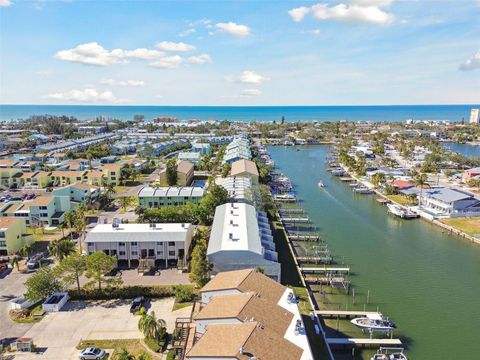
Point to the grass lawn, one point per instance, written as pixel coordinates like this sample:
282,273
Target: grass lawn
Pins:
133,346
178,306
470,226
31,319
120,189
402,200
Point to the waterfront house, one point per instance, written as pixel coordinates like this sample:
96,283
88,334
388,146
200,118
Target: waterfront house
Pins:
245,168
241,239
185,172
238,149
449,202
149,197
130,243
13,235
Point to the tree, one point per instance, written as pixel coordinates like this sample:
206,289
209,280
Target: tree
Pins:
378,178
125,355
98,264
151,327
42,284
69,218
421,181
72,267
61,248
15,261
226,169
171,172
80,227
26,250
125,202
200,267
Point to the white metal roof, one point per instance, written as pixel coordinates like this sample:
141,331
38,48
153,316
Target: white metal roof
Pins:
138,232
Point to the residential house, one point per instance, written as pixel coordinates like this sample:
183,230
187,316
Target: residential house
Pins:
13,235
241,239
149,197
449,202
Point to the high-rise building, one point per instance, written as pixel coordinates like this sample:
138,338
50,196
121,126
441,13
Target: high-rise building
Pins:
475,116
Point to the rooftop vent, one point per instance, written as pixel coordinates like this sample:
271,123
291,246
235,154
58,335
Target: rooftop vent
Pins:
230,236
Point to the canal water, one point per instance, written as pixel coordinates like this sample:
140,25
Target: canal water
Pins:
423,279
464,149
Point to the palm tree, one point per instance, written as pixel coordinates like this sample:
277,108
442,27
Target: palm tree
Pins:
151,327
125,202
26,250
69,218
61,248
421,181
80,227
15,262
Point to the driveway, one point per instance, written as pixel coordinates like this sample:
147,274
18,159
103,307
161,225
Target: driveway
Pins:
59,333
11,286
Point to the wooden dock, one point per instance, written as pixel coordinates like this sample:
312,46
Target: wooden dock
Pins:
347,178
295,219
337,270
297,237
345,314
360,342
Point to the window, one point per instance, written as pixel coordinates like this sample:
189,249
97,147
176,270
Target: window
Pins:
2,234
160,253
122,253
171,243
43,214
159,243
3,244
134,243
121,244
171,253
43,208
134,253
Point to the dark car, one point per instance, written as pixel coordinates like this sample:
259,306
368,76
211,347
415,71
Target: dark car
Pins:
137,304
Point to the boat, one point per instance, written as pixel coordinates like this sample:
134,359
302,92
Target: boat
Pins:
387,353
401,212
362,190
374,322
321,184
338,172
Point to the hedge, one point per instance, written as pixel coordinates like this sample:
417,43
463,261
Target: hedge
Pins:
154,345
126,292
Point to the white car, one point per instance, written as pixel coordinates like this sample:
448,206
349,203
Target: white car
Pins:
92,353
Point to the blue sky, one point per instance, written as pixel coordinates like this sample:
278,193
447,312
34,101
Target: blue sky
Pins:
240,52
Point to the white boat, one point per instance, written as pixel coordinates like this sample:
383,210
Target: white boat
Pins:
321,184
374,322
362,190
387,353
401,212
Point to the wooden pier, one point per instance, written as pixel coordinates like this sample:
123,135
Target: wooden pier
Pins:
298,237
295,220
338,270
345,314
360,342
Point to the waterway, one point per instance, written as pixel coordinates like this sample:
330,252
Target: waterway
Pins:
425,280
464,149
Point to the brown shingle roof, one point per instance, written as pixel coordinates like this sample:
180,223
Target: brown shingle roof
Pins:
247,307
41,201
247,280
241,166
226,340
184,166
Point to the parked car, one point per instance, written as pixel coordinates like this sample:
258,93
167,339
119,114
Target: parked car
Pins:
137,303
35,261
92,353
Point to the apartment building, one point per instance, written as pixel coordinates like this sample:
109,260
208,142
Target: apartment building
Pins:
13,235
149,197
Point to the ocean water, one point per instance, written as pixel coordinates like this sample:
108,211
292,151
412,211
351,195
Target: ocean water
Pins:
246,113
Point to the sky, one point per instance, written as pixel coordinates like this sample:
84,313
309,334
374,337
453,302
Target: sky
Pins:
347,52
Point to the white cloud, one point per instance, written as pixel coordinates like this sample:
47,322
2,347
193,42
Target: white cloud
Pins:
472,63
233,29
200,59
112,82
95,54
5,3
168,62
250,93
175,47
356,11
299,13
251,77
187,32
87,95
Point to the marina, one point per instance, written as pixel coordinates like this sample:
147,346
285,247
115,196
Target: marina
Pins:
380,279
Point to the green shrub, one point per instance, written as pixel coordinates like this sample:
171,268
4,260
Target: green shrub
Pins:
171,354
154,345
183,293
127,292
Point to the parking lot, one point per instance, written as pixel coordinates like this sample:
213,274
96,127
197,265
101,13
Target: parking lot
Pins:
59,333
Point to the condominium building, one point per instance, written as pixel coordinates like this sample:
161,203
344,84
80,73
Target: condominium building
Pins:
238,149
474,116
191,156
245,168
149,197
238,188
13,235
241,239
185,172
131,243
